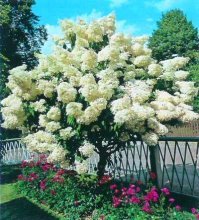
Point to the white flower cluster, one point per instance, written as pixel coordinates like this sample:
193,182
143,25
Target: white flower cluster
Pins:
81,167
21,83
87,149
39,106
96,74
13,112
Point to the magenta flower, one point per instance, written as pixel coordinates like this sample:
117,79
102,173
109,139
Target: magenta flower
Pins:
137,189
134,200
178,208
165,191
152,195
116,201
171,200
146,207
113,186
43,184
194,211
130,191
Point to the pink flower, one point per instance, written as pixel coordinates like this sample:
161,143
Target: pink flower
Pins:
47,167
113,186
146,207
131,191
178,208
134,200
60,172
116,201
58,179
152,195
43,184
171,200
137,189
197,216
194,211
117,191
165,191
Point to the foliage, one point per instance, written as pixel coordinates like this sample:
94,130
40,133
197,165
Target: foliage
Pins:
79,196
21,37
96,92
194,76
175,35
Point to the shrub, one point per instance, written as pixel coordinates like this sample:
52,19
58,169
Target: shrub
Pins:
97,91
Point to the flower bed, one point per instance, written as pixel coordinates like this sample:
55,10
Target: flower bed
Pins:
79,196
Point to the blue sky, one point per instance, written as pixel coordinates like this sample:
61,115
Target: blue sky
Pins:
136,17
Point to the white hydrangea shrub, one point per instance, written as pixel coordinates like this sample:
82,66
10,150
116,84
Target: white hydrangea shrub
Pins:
97,91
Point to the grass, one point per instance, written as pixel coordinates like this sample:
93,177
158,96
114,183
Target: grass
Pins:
13,206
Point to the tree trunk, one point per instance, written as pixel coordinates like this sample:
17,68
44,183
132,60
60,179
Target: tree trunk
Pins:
103,157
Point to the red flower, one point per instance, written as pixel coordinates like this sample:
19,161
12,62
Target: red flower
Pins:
43,184
53,192
60,172
58,179
24,164
165,191
47,167
153,175
105,179
21,177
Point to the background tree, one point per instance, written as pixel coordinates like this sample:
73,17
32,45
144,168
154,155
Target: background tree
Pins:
174,35
20,38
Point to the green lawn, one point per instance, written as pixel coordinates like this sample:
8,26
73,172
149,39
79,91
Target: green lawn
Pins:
15,207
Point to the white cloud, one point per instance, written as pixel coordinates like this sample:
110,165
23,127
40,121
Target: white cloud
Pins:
117,3
163,4
51,30
150,20
125,28
88,17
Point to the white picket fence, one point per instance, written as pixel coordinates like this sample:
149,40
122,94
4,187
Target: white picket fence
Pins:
13,151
